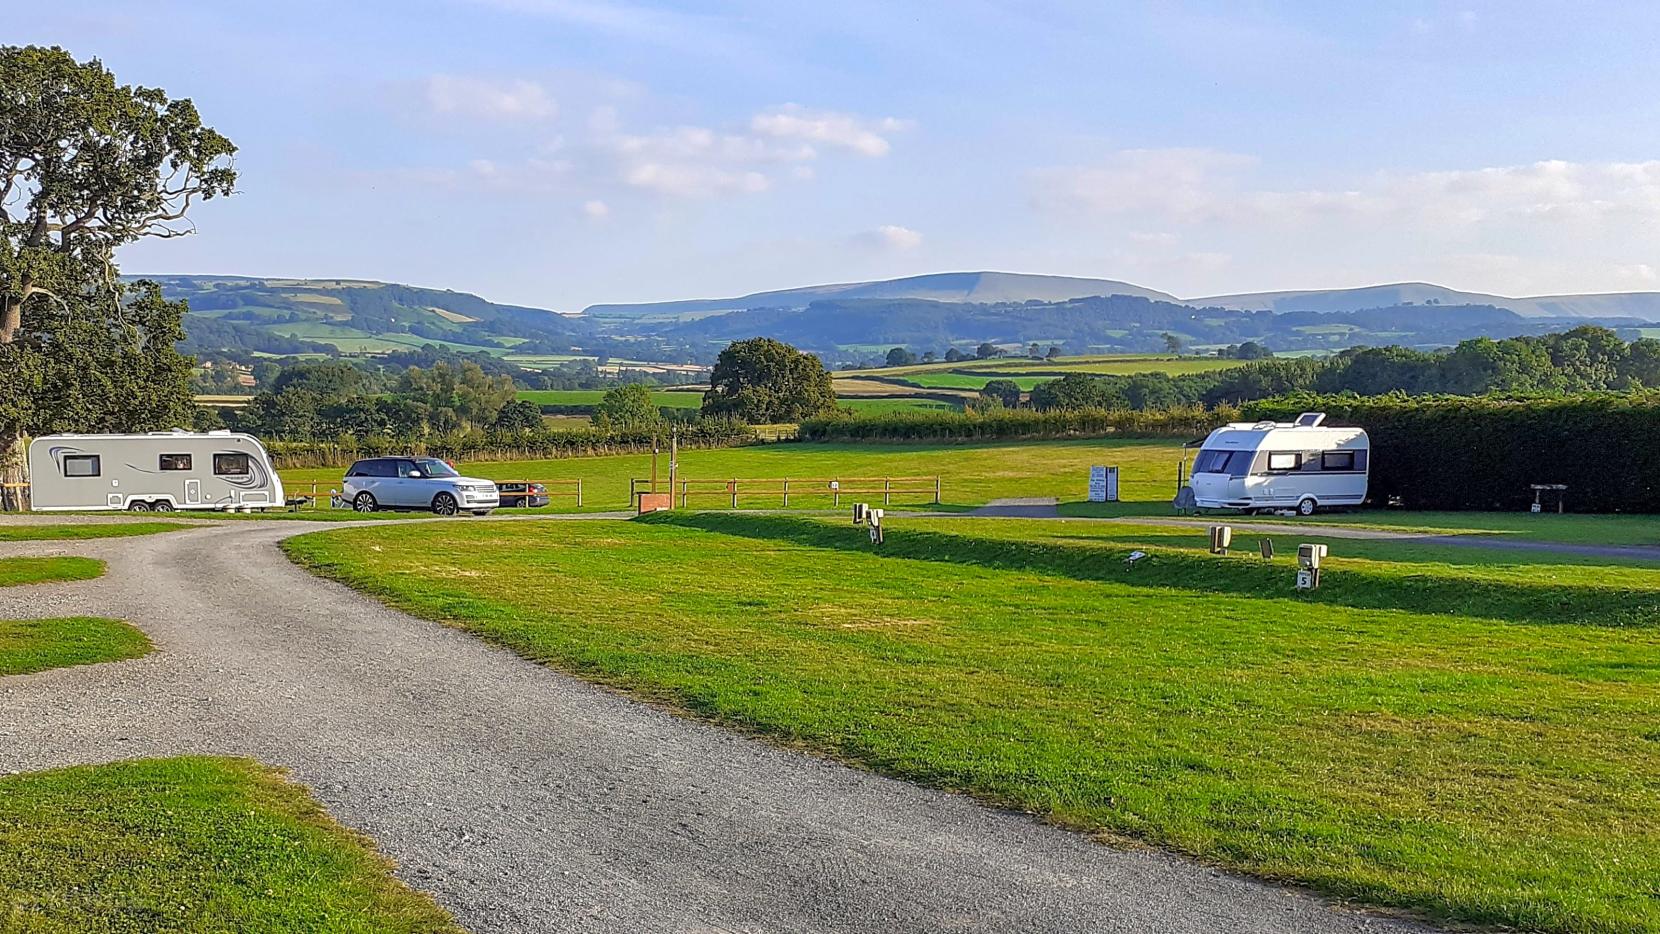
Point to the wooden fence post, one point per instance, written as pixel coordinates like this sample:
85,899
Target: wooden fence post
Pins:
579,492
733,486
936,489
786,492
887,490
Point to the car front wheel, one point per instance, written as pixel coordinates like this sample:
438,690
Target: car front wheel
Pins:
364,503
444,505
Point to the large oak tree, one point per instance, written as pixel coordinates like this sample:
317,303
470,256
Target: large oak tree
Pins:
87,166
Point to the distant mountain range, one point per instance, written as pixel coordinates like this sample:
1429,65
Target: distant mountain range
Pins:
1008,287
849,322
971,287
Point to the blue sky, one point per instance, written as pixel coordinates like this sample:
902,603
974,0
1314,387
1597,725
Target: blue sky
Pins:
565,152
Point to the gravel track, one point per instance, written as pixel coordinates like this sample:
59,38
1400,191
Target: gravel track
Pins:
526,800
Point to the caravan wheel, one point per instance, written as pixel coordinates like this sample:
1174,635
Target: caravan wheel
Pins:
1306,506
138,506
162,505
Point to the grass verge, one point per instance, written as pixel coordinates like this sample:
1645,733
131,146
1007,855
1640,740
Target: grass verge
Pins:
15,571
1475,738
43,532
31,645
187,845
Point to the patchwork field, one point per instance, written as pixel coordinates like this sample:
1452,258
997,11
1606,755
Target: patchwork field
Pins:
1466,733
974,374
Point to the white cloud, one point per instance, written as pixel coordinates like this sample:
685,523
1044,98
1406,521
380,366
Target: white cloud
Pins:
1202,187
891,238
514,99
595,209
828,128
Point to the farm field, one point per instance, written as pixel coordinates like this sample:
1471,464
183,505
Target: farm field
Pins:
210,844
1028,373
662,398
1462,732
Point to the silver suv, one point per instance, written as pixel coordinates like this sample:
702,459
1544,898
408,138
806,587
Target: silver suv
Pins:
416,483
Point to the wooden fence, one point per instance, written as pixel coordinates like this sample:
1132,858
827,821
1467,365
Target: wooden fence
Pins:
785,487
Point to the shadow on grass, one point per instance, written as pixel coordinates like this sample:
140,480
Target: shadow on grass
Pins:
1409,589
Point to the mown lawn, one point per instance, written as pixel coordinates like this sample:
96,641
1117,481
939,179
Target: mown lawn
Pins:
190,846
31,645
15,571
31,532
1457,732
973,473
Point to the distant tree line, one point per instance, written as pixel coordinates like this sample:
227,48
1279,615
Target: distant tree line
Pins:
1584,359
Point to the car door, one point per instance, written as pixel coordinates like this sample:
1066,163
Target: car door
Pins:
371,476
407,483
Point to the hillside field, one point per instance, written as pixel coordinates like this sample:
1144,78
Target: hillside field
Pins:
1028,373
1465,733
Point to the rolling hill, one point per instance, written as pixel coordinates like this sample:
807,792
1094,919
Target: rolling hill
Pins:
971,287
1644,306
362,316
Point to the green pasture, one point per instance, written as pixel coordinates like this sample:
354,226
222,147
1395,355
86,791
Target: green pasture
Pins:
192,845
1466,733
972,474
661,398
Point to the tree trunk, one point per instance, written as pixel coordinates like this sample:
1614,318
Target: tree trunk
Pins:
14,474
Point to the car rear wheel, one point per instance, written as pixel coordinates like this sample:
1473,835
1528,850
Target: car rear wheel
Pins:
364,502
1306,506
444,505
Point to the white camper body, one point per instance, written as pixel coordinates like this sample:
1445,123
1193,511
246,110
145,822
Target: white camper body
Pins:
1304,466
159,471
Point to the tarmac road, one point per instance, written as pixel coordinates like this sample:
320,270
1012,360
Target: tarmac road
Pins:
526,800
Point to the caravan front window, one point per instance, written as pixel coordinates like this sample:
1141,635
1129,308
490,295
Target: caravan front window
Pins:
1232,463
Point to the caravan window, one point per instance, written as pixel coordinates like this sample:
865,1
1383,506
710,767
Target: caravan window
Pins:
81,465
1284,460
1232,463
1337,460
175,462
231,465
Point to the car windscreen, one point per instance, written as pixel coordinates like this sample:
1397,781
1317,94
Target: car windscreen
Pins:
433,467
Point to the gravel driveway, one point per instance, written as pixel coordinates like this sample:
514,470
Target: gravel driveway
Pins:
526,800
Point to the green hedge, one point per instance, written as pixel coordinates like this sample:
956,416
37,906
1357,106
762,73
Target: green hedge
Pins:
497,446
1016,425
1452,452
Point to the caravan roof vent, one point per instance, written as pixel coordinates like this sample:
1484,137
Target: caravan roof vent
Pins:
1310,419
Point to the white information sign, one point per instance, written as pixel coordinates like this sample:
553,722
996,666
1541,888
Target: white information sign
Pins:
1103,484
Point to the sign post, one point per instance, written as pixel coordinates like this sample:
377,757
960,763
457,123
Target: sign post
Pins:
1103,484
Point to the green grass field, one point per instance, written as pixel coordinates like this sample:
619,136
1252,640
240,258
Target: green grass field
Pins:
28,646
16,571
972,474
31,532
1466,733
191,845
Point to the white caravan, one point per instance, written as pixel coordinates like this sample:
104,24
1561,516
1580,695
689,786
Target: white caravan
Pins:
159,472
1305,466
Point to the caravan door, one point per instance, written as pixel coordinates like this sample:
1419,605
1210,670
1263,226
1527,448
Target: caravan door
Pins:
193,492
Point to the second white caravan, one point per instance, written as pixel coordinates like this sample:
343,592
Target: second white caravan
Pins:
1305,465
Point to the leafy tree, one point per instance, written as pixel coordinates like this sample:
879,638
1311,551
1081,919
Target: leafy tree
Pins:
763,381
953,355
88,166
928,356
1034,352
1078,391
899,356
1004,392
627,407
987,350
1053,353
1172,343
519,415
